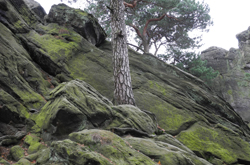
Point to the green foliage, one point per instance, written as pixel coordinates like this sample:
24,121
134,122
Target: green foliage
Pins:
192,63
181,17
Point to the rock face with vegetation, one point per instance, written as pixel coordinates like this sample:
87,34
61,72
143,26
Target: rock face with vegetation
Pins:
56,92
234,68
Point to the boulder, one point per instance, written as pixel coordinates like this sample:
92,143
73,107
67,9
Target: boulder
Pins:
164,153
16,152
83,23
75,153
126,119
4,162
111,146
23,162
76,105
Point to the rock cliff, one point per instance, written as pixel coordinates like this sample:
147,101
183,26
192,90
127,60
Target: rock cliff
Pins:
56,107
234,68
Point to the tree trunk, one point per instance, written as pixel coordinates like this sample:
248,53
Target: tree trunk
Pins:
123,93
145,44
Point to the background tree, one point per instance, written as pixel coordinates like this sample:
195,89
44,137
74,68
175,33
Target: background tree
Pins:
123,93
192,63
159,22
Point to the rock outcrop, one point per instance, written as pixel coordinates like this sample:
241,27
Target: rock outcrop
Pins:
55,92
83,23
234,68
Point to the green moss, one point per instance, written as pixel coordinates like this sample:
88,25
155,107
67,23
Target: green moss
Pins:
16,152
35,147
13,105
170,118
56,46
44,156
42,120
78,154
220,143
230,92
31,99
26,14
155,85
79,11
23,162
243,83
32,157
31,139
247,76
110,146
4,162
19,24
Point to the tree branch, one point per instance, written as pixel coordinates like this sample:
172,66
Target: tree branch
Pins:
138,48
151,20
131,5
136,30
155,19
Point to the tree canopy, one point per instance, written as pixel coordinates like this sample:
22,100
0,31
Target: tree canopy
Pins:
159,22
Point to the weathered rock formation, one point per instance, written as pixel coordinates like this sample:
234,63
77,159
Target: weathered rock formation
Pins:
83,23
57,86
234,67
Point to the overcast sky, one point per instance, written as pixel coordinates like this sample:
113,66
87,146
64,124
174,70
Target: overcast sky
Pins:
230,17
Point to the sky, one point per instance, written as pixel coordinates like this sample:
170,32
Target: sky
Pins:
230,17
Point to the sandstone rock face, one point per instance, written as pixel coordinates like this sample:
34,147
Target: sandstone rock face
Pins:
83,23
58,86
36,8
234,68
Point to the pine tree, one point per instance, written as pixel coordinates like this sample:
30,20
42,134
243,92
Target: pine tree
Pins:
123,93
158,23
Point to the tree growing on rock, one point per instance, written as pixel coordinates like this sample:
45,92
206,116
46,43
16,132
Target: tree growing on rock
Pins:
123,93
123,88
159,23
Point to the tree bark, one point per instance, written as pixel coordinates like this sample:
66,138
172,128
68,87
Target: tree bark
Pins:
123,93
145,44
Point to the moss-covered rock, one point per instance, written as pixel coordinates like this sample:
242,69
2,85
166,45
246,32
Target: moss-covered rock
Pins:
44,156
35,147
217,142
164,152
74,106
21,81
75,153
23,162
4,162
127,116
36,8
83,23
16,152
167,138
31,139
32,157
110,146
